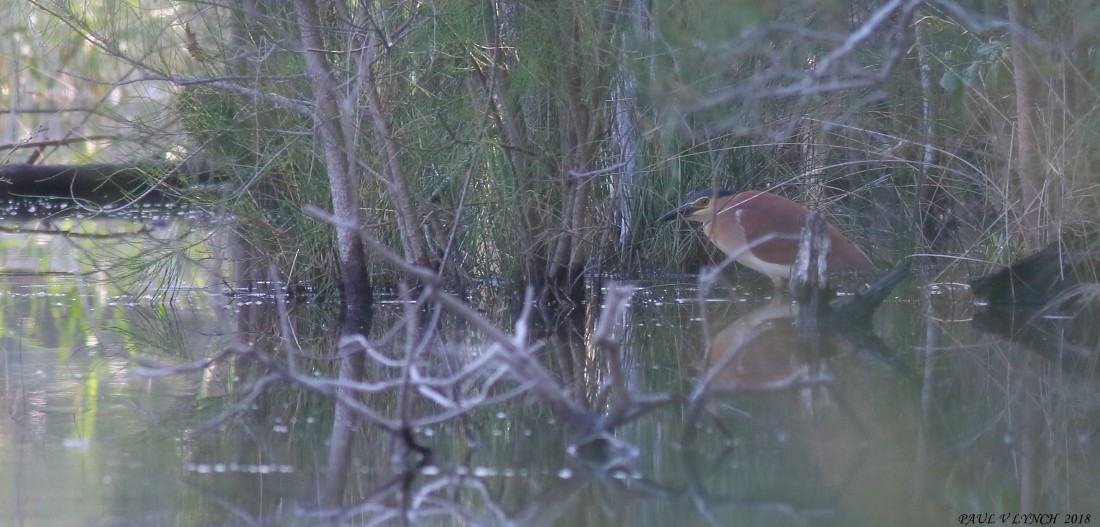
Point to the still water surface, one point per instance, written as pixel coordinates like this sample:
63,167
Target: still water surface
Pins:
918,423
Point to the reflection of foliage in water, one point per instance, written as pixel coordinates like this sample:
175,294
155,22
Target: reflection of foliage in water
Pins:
856,449
157,262
962,429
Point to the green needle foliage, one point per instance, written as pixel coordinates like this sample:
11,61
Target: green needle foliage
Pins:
537,142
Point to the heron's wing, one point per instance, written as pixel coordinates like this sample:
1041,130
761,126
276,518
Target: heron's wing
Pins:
771,225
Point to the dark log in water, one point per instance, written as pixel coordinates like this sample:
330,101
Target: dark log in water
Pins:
96,184
1036,280
1049,301
857,311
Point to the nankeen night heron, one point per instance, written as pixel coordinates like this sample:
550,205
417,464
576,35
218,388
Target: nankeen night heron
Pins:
762,230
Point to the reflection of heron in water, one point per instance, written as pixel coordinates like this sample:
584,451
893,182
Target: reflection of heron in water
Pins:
777,346
767,426
763,350
762,417
768,350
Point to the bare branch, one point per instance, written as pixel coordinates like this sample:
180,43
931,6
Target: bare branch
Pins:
57,142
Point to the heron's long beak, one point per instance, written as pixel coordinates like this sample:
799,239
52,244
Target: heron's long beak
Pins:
678,212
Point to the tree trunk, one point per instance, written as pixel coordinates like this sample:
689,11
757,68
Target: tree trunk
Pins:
627,139
507,111
343,176
584,114
408,217
1033,199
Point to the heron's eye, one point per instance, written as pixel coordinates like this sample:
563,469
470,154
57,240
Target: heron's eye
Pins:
702,203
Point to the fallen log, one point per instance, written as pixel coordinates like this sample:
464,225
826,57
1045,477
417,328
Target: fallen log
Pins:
96,184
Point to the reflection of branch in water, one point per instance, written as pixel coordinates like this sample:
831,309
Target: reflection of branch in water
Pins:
1068,341
239,512
416,387
504,361
510,358
420,495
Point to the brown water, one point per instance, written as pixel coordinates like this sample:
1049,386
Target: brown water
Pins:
922,421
